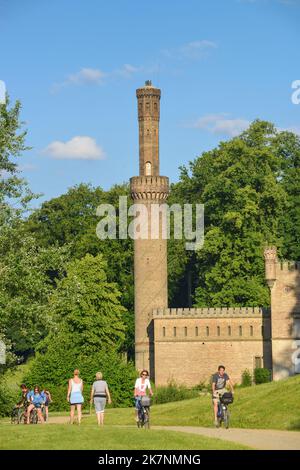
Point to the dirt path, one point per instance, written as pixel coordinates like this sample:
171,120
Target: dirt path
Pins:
263,439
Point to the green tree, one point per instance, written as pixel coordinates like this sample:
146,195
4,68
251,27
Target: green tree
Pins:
71,219
27,277
87,306
240,185
14,192
287,147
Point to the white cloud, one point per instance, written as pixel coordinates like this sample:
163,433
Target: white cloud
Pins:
221,124
193,50
85,76
77,148
128,70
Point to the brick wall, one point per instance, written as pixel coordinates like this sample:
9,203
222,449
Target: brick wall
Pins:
189,348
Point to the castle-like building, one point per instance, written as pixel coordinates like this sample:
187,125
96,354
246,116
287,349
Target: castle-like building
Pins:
187,344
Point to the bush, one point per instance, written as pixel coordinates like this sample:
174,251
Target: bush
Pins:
8,398
262,375
246,378
173,392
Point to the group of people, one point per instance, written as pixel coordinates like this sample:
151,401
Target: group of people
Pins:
35,399
100,395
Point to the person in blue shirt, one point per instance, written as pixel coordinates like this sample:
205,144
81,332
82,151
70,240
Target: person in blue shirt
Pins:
30,394
36,401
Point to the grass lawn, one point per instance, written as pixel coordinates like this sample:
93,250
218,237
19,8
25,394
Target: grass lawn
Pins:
86,436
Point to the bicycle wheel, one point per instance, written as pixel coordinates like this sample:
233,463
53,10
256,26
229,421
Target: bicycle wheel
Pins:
21,417
140,421
34,417
226,418
147,418
14,416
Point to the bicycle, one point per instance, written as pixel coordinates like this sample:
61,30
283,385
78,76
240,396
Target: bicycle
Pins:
223,415
34,419
144,413
18,415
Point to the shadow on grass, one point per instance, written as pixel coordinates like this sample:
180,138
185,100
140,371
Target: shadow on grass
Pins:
294,425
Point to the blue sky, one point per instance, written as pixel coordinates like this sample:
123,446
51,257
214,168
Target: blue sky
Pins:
75,66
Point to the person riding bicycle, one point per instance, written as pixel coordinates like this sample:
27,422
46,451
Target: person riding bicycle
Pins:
142,384
219,382
36,401
23,402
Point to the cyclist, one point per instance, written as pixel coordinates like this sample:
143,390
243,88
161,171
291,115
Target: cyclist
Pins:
23,403
47,399
36,401
142,384
219,382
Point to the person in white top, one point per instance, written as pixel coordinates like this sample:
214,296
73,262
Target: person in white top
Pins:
142,385
75,397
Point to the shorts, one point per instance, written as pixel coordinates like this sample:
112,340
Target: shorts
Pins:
217,394
37,405
99,403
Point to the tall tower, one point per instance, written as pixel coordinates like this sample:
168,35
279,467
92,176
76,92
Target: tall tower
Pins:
150,254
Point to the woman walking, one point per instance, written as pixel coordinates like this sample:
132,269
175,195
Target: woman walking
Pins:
99,394
75,396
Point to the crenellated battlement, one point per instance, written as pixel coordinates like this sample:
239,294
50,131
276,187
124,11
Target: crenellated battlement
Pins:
149,187
211,312
288,266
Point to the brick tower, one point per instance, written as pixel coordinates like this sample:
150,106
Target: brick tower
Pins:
150,254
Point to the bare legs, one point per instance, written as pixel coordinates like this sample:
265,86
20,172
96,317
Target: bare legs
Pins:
79,413
72,412
100,418
216,409
29,409
39,412
40,415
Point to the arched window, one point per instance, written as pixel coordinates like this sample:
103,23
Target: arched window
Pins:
196,331
148,169
218,330
229,331
185,331
164,331
240,330
207,331
174,331
251,330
